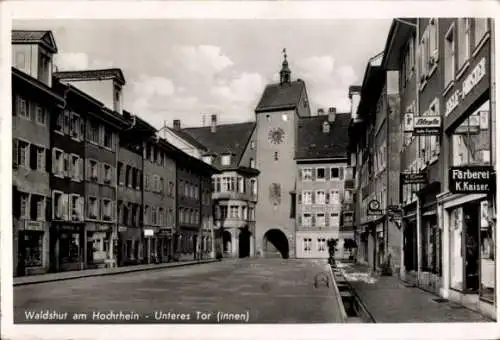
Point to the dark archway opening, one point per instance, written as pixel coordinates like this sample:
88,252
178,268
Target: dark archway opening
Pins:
226,241
276,244
244,243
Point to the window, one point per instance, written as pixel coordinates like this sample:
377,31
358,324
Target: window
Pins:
463,41
409,61
58,162
44,68
449,56
321,244
107,173
75,167
244,213
307,174
93,132
424,56
320,174
41,117
75,129
37,207
226,160
480,30
33,248
207,159
93,170
433,45
108,138
307,245
334,197
320,197
252,163
334,219
306,219
154,215
252,145
320,220
93,207
22,107
241,185
20,60
253,184
284,117
276,155
306,197
107,210
348,196
147,212
75,208
59,122
234,211
334,173
223,212
171,189
57,205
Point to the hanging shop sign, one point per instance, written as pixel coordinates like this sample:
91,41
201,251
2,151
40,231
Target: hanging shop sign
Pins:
427,125
149,232
472,180
472,79
413,178
374,208
408,122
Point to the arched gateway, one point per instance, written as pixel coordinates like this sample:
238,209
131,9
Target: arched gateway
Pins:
275,244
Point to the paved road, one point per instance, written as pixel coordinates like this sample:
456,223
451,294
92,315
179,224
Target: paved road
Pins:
253,290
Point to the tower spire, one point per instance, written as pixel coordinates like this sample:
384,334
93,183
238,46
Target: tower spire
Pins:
285,70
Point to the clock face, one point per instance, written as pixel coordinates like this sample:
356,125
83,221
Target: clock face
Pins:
276,136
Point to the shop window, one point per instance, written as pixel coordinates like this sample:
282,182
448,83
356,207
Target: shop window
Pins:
487,251
70,248
471,140
32,248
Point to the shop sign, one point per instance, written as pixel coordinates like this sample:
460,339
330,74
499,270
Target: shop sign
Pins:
122,229
471,180
427,126
33,225
70,228
473,78
413,178
149,232
374,208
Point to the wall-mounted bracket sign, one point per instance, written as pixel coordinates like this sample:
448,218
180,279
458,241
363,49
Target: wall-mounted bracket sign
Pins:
472,180
427,125
413,178
374,208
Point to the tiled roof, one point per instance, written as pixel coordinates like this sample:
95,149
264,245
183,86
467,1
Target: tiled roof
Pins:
232,138
313,143
40,37
92,74
281,96
188,138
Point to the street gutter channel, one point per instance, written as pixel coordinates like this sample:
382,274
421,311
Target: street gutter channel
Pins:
355,309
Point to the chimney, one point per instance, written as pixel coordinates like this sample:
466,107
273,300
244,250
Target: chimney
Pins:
326,127
321,112
213,124
331,114
177,124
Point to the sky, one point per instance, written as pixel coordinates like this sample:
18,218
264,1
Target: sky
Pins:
186,69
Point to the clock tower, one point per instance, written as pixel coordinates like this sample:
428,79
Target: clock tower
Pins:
277,115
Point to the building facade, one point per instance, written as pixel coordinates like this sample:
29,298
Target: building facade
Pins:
320,187
33,104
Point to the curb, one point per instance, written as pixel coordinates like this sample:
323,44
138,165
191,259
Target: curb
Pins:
336,291
131,270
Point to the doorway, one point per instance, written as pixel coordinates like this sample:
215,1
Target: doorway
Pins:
244,243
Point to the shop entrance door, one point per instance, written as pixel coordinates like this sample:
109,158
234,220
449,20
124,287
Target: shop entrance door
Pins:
471,246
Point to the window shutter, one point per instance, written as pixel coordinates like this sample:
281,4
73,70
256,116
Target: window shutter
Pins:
327,198
101,172
327,173
313,174
88,174
33,158
313,197
48,208
327,220
313,220
15,157
299,197
80,169
300,174
54,162
341,173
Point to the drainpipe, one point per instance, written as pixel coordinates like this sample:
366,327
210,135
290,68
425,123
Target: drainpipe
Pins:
417,112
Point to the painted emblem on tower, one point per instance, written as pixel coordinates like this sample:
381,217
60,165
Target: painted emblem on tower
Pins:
275,193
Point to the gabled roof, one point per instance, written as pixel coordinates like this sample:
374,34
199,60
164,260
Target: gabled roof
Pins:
281,96
227,138
110,73
45,38
313,143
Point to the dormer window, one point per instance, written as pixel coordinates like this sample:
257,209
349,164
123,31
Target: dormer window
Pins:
226,160
207,159
44,68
